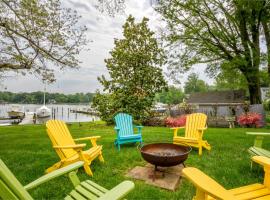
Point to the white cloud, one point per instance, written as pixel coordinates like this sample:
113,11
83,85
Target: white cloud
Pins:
102,30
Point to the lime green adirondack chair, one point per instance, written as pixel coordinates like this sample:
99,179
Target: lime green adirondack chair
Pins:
11,188
256,149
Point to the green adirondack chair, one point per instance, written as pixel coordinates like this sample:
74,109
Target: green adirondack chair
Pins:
11,188
256,149
124,130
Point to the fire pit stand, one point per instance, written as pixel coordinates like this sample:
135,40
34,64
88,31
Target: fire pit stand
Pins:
156,169
164,155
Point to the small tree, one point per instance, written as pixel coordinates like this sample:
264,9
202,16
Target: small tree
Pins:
135,73
194,84
173,95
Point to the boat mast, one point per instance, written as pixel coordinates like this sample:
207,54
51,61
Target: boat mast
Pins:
44,94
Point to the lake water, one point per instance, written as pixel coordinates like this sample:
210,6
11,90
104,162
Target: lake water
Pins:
62,112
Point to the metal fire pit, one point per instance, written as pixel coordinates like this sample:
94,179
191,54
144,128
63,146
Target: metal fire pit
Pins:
164,155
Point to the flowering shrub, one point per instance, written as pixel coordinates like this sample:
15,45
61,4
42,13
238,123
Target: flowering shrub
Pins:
176,122
188,108
250,119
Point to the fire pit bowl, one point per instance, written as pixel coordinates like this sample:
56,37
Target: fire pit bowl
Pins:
165,154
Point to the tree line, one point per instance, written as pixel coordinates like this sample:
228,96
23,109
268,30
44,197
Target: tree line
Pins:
37,97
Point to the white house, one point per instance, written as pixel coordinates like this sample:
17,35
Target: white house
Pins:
264,91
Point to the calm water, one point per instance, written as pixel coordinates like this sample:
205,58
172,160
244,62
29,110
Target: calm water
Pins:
61,112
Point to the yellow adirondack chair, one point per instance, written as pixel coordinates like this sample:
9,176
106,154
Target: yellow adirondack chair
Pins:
209,189
195,125
68,151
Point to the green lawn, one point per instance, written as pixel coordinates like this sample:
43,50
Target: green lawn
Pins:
27,151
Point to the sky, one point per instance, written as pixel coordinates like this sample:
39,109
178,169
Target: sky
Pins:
102,29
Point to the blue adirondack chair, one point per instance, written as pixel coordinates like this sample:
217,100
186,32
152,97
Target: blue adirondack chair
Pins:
124,130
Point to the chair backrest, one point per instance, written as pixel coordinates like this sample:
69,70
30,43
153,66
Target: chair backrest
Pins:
60,136
124,123
193,122
10,187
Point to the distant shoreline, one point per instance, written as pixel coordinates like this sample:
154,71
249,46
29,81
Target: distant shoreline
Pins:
10,103
51,98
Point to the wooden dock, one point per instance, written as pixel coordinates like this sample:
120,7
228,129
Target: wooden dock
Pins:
88,112
28,118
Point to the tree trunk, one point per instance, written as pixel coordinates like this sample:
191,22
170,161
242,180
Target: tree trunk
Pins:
254,94
254,87
267,39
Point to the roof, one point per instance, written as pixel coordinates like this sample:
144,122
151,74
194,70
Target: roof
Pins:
218,97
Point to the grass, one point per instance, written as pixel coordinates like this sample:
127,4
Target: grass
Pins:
27,152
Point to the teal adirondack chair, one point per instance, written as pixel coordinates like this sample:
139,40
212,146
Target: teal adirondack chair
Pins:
11,188
124,130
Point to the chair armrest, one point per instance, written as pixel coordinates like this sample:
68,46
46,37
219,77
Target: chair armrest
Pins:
92,139
175,130
76,146
139,129
202,129
119,191
206,185
54,174
258,133
87,138
258,142
116,128
262,160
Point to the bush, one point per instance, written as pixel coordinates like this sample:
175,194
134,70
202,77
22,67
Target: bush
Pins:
154,121
108,105
176,122
104,104
250,120
266,105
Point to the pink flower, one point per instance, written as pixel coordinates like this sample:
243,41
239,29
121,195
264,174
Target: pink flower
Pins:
250,119
176,122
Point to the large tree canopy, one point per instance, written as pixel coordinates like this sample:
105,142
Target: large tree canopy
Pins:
33,32
222,34
111,6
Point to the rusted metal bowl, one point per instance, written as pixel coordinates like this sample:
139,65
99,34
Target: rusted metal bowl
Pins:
165,154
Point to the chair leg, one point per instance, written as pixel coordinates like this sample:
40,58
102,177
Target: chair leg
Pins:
200,150
207,145
54,167
200,195
87,169
74,178
100,157
118,145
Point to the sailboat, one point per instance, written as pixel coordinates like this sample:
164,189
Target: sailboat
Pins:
43,111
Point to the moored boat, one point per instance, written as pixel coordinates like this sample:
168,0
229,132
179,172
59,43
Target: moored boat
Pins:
43,112
16,112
